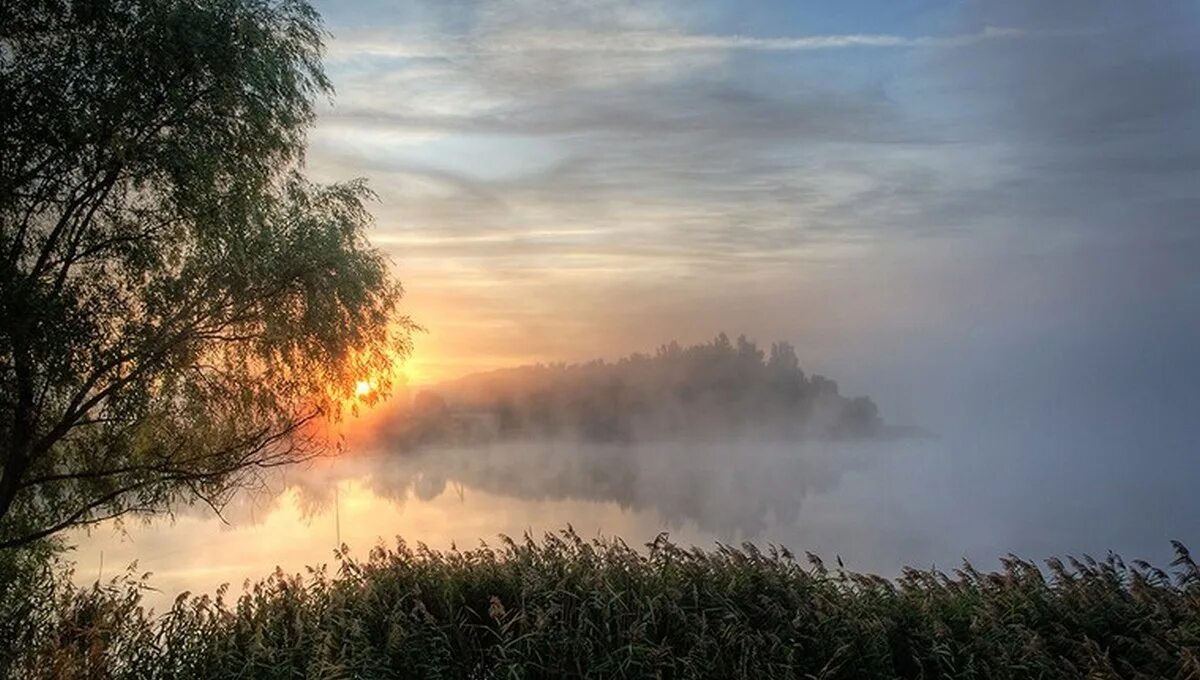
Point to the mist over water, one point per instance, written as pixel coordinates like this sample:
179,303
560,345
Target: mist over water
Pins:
1038,454
805,495
734,491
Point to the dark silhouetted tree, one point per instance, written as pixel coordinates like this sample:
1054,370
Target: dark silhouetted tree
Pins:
178,305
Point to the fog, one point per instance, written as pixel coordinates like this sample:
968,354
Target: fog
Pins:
735,491
1041,445
1069,436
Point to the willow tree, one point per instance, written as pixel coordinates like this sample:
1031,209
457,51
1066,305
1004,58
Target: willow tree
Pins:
179,306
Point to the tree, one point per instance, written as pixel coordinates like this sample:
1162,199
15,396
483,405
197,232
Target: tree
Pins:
179,306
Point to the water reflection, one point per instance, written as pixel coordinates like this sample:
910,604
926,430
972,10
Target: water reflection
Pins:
699,492
732,490
199,553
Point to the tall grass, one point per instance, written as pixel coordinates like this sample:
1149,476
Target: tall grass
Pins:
563,606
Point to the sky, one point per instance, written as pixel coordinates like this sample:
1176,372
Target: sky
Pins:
982,214
565,180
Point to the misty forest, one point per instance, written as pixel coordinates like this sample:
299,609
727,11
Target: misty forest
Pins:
716,389
431,339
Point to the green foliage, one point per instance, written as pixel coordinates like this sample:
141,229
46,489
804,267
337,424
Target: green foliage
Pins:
29,587
178,304
567,607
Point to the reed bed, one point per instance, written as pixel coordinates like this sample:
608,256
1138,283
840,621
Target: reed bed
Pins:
567,607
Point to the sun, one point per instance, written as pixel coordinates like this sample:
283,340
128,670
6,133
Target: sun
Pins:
362,388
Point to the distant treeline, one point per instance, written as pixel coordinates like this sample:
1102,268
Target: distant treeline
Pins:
719,388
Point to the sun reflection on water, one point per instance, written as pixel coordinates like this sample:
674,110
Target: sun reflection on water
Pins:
199,552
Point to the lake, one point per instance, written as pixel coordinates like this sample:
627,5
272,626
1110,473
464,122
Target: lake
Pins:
822,496
879,505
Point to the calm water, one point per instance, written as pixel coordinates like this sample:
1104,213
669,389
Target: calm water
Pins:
817,496
199,553
878,505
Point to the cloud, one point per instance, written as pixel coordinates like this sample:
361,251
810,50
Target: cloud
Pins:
644,42
1099,128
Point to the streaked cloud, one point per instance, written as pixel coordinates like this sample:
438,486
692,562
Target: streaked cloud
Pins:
644,42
